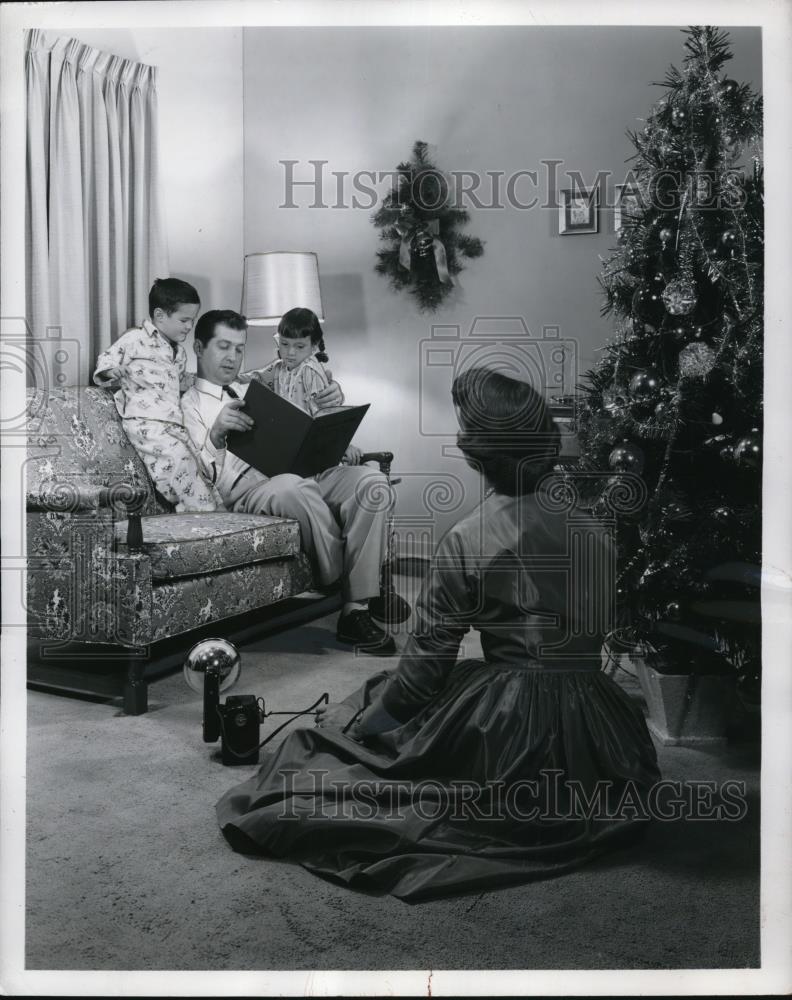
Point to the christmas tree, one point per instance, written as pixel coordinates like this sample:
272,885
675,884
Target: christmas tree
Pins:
676,398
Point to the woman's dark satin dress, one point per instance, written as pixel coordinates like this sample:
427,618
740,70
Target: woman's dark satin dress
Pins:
516,767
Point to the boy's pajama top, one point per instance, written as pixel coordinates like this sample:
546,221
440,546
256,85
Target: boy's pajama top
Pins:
147,376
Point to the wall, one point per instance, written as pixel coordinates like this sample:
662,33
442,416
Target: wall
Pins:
489,99
199,93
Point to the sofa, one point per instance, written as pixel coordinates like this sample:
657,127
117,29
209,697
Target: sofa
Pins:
114,574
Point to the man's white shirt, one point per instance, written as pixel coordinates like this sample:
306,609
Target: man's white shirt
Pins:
200,406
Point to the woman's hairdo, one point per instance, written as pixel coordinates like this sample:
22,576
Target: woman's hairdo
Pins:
506,430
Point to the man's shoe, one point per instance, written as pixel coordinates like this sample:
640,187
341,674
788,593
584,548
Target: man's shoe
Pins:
357,628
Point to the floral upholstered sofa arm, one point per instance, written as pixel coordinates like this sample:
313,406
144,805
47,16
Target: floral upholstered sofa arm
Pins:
64,497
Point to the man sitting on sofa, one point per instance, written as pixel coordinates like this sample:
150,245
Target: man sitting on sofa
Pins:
342,511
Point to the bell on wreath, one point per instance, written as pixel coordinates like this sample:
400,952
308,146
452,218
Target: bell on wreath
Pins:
422,258
421,244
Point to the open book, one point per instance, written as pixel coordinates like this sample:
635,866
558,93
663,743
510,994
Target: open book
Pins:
287,439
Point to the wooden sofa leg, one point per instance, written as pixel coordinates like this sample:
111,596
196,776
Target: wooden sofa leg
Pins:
135,688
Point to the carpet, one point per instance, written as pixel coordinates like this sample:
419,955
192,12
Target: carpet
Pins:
127,870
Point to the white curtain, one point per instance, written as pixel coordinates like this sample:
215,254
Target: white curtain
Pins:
95,238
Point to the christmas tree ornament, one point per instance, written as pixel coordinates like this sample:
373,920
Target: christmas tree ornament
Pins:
601,509
631,254
696,360
727,245
679,298
614,403
726,452
663,410
722,516
748,450
645,385
626,457
673,611
679,117
666,235
728,88
717,419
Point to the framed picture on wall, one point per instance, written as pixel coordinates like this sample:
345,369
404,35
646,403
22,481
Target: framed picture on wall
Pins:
626,203
577,211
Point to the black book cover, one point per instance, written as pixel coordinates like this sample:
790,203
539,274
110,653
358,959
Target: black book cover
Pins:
287,439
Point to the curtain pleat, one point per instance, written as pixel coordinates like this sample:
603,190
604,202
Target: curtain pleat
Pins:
94,226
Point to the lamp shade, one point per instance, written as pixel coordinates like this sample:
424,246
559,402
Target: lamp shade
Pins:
277,281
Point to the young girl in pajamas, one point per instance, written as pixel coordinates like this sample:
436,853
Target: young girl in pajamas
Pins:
299,372
147,369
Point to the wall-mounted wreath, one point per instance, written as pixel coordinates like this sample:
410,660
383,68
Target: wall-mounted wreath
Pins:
419,224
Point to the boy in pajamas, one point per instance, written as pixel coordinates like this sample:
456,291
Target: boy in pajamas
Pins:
147,369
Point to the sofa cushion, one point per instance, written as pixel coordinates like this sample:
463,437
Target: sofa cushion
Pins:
179,606
196,544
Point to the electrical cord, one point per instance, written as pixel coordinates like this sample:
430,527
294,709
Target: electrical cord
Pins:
353,720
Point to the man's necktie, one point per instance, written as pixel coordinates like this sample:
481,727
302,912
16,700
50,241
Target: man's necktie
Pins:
233,394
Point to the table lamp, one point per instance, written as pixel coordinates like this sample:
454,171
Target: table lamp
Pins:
277,281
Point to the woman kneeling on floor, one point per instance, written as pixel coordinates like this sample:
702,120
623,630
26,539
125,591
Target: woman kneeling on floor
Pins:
446,774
